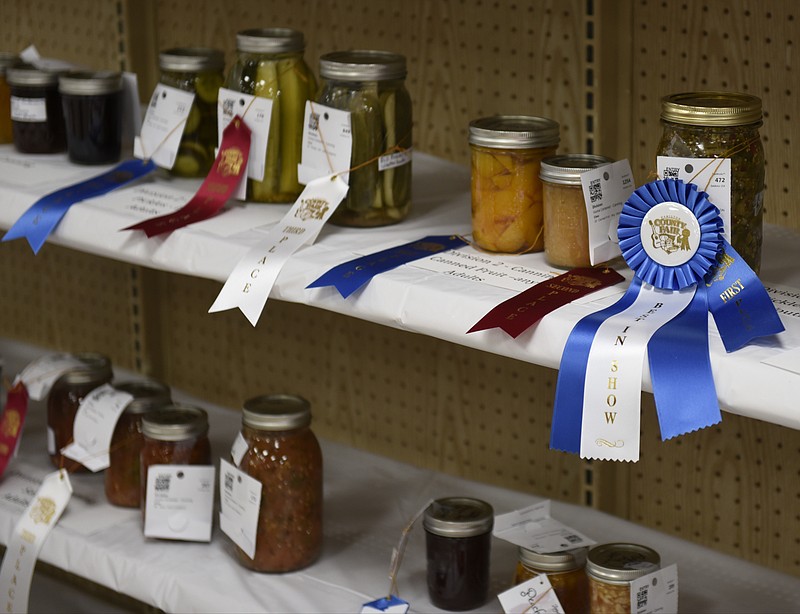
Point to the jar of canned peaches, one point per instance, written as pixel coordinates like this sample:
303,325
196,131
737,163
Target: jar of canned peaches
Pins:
507,151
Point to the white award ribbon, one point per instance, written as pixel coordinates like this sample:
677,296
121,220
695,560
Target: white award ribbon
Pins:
612,388
251,281
29,535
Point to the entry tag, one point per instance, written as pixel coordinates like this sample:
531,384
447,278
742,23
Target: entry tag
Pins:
391,604
656,593
239,504
605,190
327,143
534,596
163,125
40,374
394,159
94,425
180,501
238,449
534,529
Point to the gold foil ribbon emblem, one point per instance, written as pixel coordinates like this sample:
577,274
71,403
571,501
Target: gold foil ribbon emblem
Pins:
582,281
670,234
312,209
11,423
230,161
724,262
43,511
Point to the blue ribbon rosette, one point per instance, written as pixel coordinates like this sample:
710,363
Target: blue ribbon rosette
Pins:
671,236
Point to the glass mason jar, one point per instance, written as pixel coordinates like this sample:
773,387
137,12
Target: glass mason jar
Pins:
458,537
284,455
201,71
64,399
270,64
37,119
566,222
7,60
371,86
610,569
122,480
724,125
565,570
507,151
92,115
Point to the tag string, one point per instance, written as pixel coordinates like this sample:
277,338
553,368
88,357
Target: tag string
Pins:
527,250
397,554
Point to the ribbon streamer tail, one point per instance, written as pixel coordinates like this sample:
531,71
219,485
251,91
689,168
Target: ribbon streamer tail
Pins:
251,311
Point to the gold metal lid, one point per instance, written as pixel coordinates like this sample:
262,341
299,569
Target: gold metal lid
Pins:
94,368
619,563
566,560
711,109
191,59
276,412
175,422
514,132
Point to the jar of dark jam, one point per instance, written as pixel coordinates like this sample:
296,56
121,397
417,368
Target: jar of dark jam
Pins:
92,104
564,570
7,60
37,119
64,399
611,568
284,455
458,535
122,481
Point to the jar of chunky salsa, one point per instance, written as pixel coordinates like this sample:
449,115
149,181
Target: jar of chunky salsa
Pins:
565,570
122,481
611,568
284,455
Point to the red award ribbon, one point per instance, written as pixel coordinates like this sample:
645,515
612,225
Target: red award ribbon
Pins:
11,423
228,170
519,313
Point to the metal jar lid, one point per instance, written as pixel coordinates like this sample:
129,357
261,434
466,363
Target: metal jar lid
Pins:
362,65
458,517
567,169
29,75
276,412
620,563
175,422
566,560
7,60
711,109
270,40
191,59
147,395
514,132
90,83
94,367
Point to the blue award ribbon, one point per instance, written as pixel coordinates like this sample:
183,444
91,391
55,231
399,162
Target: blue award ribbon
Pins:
42,217
350,276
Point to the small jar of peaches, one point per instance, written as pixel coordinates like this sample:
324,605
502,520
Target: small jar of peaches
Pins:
507,151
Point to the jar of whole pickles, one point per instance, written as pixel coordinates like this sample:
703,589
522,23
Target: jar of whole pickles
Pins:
63,401
610,569
270,64
201,71
566,222
122,480
507,151
37,119
564,570
371,86
723,125
284,455
7,60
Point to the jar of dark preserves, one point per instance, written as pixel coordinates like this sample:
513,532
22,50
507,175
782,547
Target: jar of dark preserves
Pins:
284,455
458,536
92,104
564,570
7,60
64,399
122,480
37,119
611,568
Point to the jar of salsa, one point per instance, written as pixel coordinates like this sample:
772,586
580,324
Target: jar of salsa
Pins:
610,569
122,481
37,119
564,570
64,399
458,537
284,455
7,60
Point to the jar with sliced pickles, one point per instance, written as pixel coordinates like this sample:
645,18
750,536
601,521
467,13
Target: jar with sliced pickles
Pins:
371,86
270,64
201,71
7,60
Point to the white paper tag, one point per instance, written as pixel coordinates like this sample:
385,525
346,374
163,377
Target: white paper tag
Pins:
180,502
605,190
95,420
390,605
163,125
394,159
51,441
534,596
327,143
711,175
239,504
238,449
40,374
534,529
656,593
28,109
131,109
251,281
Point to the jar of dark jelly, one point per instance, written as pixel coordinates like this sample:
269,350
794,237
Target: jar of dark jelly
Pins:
7,60
458,536
37,119
92,104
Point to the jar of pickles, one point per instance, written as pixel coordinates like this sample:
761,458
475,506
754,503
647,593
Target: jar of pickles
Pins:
610,569
564,570
723,125
65,397
37,119
566,222
371,86
507,151
201,71
284,455
270,64
7,60
122,481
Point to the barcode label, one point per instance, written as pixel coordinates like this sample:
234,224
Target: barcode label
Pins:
313,122
671,172
572,538
162,483
641,597
229,482
595,191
